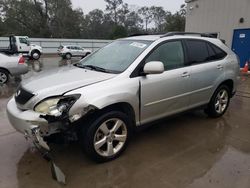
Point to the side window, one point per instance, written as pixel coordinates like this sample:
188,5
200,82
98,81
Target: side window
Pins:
23,40
170,54
197,51
68,47
215,52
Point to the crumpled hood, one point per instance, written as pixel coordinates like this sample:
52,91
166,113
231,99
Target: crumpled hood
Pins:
62,80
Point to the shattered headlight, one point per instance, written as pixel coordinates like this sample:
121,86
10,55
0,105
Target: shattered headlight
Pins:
56,106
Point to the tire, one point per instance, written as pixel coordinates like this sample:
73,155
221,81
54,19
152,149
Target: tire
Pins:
35,54
219,102
85,55
4,76
68,56
100,139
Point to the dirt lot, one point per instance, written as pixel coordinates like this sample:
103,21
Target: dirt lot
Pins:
189,150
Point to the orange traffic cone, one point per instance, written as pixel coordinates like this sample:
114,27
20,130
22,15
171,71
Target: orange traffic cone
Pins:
245,69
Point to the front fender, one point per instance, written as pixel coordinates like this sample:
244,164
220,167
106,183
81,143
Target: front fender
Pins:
102,95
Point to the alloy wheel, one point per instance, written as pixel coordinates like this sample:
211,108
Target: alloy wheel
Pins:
110,137
221,101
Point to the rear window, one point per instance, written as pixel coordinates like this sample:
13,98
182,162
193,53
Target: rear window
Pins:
202,51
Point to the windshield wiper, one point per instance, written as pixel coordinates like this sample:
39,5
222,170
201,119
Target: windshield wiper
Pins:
92,67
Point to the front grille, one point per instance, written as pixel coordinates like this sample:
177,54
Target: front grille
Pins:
22,96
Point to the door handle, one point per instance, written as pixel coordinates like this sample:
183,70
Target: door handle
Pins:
220,67
185,75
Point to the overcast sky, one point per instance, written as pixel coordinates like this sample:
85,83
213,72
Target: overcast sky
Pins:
88,5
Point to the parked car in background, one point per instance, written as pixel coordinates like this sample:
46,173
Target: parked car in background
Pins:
72,51
21,44
129,83
11,66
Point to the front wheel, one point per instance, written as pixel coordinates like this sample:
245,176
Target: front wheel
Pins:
107,136
35,55
85,55
68,56
4,76
219,102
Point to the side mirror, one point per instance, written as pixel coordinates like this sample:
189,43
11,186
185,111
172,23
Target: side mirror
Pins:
153,67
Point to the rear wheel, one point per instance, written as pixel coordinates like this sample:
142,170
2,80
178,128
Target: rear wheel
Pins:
107,136
219,102
4,76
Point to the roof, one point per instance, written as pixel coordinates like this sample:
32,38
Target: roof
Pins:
170,35
144,37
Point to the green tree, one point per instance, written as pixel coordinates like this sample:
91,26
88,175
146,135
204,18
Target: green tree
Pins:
118,32
95,23
147,16
64,21
122,14
24,17
177,21
133,23
41,18
113,7
158,16
2,29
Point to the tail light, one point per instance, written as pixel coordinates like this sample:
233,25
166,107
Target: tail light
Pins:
21,60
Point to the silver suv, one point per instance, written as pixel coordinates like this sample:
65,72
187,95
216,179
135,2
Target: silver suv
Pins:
128,83
69,51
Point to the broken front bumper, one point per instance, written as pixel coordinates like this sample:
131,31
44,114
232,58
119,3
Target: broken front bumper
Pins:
28,122
31,125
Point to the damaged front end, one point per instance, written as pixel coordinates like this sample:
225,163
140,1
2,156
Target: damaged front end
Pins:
55,111
49,118
59,120
42,123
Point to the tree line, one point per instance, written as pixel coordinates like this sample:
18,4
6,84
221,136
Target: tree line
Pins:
58,19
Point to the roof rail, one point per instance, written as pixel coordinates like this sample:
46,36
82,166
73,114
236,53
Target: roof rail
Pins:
187,33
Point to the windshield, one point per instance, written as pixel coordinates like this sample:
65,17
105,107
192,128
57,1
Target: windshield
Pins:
115,57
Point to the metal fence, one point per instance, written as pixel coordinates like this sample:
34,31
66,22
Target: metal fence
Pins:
50,45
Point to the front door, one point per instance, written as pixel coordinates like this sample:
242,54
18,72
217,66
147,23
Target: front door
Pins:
24,45
167,93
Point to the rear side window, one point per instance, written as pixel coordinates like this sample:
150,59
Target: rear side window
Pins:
197,51
215,52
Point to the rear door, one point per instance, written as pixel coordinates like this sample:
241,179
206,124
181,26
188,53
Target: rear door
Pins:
167,93
80,51
74,51
207,69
